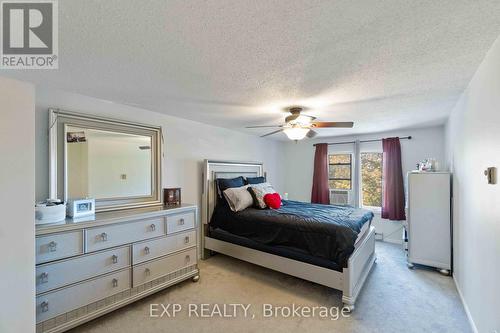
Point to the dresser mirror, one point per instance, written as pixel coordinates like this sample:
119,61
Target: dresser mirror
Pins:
116,163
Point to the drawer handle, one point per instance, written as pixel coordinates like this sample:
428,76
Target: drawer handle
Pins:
115,259
115,283
186,239
44,277
52,246
181,222
45,306
146,250
104,237
147,271
188,258
153,227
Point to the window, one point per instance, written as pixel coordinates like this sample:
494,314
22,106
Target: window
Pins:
339,171
371,179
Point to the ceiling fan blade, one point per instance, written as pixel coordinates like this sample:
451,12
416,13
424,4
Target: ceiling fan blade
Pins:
280,130
265,126
325,124
311,134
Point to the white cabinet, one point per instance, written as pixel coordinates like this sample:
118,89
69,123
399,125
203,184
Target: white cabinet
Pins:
429,219
89,268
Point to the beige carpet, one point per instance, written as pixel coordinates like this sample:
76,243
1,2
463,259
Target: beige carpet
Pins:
394,299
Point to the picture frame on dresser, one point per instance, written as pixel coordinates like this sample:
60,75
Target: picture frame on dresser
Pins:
172,196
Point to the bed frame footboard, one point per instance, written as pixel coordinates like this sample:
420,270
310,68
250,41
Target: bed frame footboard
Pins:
358,267
349,281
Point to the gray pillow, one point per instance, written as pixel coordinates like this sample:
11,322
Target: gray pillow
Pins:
258,192
238,198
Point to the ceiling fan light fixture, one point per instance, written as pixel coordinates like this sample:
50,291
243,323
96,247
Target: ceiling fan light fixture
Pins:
296,133
303,120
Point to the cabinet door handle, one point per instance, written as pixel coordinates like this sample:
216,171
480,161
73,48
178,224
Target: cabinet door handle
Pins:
44,277
52,246
45,306
147,271
181,222
104,237
115,259
186,239
153,227
188,258
115,283
146,250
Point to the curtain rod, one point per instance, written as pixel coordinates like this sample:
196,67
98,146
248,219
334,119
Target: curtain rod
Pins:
374,140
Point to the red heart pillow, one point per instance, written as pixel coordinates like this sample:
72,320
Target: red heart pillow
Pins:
272,200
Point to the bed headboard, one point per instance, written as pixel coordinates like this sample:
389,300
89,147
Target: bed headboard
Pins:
213,170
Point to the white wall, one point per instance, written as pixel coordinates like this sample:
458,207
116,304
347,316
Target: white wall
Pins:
299,161
473,144
17,198
187,142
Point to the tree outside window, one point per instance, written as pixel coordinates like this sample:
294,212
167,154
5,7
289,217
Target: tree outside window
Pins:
371,179
340,171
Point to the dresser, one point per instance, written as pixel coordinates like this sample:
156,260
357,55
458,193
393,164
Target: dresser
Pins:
429,219
88,268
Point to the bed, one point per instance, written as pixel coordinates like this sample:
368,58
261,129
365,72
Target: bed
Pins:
330,245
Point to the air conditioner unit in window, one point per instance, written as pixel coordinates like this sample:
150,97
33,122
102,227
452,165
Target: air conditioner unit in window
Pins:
340,197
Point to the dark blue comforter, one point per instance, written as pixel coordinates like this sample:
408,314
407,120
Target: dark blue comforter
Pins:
325,231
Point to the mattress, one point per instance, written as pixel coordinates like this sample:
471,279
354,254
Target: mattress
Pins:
323,231
280,250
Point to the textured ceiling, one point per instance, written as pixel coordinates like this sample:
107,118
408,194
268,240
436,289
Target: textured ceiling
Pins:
384,64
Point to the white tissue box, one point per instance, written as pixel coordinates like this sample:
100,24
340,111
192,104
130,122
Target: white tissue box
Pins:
50,214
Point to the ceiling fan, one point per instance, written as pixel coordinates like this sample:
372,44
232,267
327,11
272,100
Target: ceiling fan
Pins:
298,126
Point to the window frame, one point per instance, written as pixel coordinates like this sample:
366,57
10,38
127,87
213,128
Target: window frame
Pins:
374,209
344,164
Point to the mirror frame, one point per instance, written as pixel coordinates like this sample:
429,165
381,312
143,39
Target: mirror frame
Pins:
59,120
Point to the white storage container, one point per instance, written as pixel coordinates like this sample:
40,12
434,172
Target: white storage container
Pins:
49,214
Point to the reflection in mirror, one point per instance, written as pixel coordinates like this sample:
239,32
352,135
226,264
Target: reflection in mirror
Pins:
107,165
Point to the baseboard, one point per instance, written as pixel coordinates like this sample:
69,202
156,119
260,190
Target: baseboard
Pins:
466,308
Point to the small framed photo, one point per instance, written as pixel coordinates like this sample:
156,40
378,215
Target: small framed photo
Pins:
172,196
75,137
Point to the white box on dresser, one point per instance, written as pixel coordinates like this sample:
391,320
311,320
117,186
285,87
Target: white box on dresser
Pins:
87,269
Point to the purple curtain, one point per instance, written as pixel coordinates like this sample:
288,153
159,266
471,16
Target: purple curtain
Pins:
320,192
393,200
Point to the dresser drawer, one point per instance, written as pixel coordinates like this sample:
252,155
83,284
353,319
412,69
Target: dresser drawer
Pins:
61,273
67,299
160,247
154,269
57,246
180,222
118,234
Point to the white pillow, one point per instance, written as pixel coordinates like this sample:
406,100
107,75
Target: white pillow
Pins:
238,198
260,190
